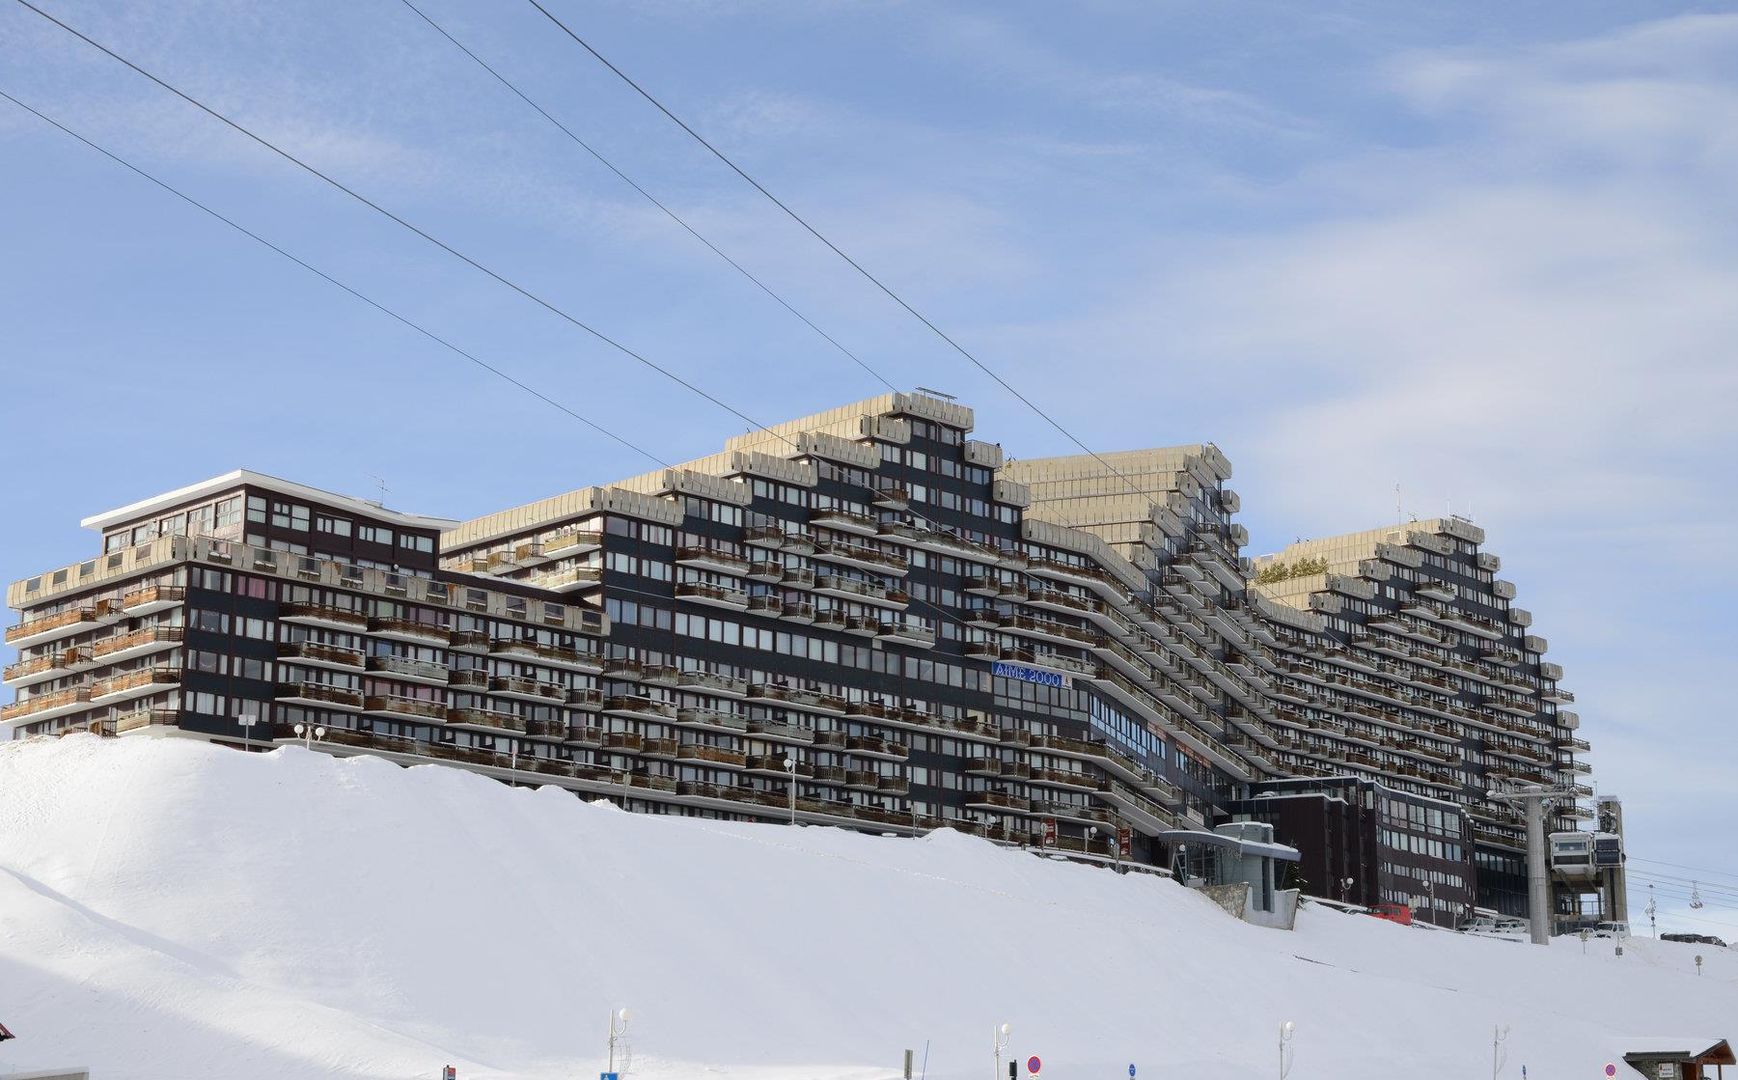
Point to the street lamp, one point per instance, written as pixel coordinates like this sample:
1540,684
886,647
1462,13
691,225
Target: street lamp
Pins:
1002,1034
247,720
618,1030
791,767
309,733
1285,1055
1499,1056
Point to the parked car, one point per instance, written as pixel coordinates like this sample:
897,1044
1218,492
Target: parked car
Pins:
1694,939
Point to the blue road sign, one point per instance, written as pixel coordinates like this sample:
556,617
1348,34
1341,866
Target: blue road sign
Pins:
1131,1071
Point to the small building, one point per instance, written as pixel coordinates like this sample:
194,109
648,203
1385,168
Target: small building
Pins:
1238,865
1682,1059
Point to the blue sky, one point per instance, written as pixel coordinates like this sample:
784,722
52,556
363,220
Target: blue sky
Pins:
1482,251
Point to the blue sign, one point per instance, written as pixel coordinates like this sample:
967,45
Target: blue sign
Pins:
1028,674
609,1076
1131,1071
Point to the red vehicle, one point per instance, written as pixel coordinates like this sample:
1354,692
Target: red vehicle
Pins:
1399,913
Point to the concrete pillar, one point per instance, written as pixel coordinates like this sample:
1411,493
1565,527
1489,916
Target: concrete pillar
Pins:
1538,873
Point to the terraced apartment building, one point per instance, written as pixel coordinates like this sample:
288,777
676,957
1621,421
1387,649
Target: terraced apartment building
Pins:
863,618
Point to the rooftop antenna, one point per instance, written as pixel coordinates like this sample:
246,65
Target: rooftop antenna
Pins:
936,393
1399,514
380,482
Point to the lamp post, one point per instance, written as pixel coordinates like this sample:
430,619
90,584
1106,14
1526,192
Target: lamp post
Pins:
1499,1035
309,733
618,1030
791,767
1002,1034
1285,1053
247,720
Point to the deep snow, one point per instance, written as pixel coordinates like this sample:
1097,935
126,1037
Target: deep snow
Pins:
173,909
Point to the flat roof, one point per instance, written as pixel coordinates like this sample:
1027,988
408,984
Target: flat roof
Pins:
239,477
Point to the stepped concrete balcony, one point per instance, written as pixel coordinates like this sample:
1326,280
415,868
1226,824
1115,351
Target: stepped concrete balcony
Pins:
151,639
797,698
712,683
875,747
585,697
709,558
1065,602
866,591
1572,743
982,584
404,707
983,650
862,625
623,667
895,786
523,689
639,707
530,553
797,577
891,495
41,628
573,541
569,579
983,766
1559,696
769,606
862,556
844,521
1073,813
831,619
139,720
997,800
323,615
548,728
715,756
899,532
1046,776
580,733
409,630
862,779
134,684
1142,812
48,706
659,747
475,679
659,674
483,719
712,720
405,669
553,655
317,654
781,731
1436,589
764,570
1049,630
705,592
53,666
774,765
152,599
318,695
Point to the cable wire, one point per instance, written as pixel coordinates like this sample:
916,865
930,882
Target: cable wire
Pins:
647,195
853,263
376,305
377,208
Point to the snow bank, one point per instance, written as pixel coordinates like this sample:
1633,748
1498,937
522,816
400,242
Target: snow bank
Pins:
171,909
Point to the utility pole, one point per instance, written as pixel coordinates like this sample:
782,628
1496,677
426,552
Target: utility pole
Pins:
1535,800
1499,1035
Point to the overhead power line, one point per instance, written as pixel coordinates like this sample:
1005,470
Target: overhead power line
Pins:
648,196
377,208
1683,866
376,305
835,249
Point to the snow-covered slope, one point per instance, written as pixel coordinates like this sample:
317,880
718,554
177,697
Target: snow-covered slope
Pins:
171,909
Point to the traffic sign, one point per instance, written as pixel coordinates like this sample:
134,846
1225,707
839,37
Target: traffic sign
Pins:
609,1076
1131,1071
1033,1065
1610,1069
